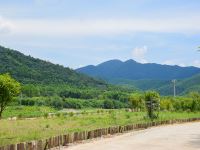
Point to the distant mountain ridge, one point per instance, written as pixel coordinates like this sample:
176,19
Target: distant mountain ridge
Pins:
132,70
146,76
29,70
182,86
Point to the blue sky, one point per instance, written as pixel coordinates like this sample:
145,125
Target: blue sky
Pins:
76,33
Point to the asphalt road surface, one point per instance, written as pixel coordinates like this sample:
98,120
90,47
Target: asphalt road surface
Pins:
171,137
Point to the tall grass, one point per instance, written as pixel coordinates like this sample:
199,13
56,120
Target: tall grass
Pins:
40,128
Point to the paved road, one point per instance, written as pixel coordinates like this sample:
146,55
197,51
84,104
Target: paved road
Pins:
172,137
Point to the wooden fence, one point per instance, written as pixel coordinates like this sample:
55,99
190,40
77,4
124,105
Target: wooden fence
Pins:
64,140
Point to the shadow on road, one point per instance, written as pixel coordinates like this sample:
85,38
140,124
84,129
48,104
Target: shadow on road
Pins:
195,142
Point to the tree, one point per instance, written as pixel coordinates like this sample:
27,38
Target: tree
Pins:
9,88
108,104
136,101
166,104
195,101
152,101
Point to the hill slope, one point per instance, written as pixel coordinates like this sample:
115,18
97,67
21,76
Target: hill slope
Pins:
132,70
140,84
27,69
182,87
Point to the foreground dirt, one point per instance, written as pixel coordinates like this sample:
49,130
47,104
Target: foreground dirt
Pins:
172,137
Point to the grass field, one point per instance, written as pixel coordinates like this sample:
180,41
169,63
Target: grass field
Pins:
14,131
26,111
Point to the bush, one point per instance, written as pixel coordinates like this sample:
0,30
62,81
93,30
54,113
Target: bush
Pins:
46,115
136,102
71,114
166,104
152,101
108,104
128,116
58,114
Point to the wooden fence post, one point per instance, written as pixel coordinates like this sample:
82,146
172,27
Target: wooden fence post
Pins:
39,145
63,140
21,146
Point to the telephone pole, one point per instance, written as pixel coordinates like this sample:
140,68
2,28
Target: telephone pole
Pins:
174,82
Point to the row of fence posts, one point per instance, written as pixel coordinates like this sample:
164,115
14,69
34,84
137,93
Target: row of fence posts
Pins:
64,140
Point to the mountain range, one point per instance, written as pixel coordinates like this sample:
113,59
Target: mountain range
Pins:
132,70
131,74
146,76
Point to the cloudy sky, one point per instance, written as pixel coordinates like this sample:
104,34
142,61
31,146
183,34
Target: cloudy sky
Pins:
76,33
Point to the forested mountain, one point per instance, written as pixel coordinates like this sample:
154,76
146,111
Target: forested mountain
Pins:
164,87
146,76
29,70
182,86
132,70
141,84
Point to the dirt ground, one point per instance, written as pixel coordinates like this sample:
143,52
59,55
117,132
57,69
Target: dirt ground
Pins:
171,137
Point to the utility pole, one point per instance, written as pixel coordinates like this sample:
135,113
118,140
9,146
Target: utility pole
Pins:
20,99
174,82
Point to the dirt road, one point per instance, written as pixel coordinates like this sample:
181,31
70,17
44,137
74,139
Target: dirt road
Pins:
172,137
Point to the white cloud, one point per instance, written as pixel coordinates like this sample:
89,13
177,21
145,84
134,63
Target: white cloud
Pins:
174,62
139,53
5,26
169,62
90,27
182,65
196,63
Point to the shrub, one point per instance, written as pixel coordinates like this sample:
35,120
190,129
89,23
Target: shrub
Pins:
71,114
152,101
58,114
128,116
19,116
46,115
108,104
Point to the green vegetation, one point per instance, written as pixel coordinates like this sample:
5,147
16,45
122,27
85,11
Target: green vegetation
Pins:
29,70
8,89
47,84
164,87
148,76
56,100
152,102
136,102
41,128
142,84
183,86
27,111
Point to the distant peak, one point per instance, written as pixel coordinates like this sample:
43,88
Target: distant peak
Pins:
131,60
114,60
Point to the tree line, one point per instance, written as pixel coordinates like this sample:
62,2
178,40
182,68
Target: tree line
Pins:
65,96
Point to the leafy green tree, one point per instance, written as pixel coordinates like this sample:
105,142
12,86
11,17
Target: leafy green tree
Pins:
108,104
166,104
136,101
195,101
152,101
9,88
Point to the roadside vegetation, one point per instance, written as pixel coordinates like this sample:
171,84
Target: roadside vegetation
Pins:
15,131
42,111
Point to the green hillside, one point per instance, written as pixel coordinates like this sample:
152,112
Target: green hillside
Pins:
139,84
132,70
183,86
44,83
164,87
29,70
